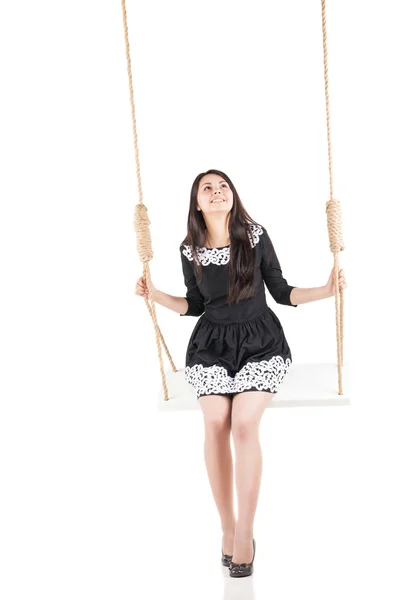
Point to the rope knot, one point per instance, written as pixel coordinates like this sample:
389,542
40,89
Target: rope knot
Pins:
334,216
143,238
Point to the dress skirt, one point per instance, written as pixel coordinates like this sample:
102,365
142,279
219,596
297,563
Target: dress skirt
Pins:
237,357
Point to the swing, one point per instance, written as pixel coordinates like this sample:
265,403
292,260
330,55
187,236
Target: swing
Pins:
304,384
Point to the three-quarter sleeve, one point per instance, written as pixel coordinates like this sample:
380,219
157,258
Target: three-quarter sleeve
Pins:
271,271
194,297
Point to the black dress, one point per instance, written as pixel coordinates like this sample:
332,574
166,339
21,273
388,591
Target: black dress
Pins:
241,347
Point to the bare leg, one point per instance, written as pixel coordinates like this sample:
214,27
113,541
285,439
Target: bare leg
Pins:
218,458
247,410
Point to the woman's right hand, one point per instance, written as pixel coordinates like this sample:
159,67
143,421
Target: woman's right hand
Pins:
141,288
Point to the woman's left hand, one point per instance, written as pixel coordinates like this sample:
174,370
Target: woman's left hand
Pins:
330,286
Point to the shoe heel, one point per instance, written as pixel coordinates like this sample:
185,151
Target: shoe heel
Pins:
226,558
254,551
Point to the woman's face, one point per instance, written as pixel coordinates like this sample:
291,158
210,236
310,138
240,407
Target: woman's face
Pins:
214,195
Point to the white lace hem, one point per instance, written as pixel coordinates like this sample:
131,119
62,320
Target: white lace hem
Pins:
265,375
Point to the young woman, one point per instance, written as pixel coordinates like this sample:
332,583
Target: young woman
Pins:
237,355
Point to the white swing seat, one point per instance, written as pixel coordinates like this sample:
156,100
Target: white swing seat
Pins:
307,384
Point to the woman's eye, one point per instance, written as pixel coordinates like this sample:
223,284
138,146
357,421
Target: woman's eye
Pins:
207,186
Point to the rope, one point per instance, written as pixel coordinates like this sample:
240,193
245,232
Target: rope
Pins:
141,223
334,217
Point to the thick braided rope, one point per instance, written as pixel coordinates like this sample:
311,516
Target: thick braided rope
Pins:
334,217
145,251
141,220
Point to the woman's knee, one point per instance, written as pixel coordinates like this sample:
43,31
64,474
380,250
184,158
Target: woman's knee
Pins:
216,412
247,410
244,429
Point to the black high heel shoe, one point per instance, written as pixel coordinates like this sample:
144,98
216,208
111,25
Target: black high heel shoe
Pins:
226,558
242,569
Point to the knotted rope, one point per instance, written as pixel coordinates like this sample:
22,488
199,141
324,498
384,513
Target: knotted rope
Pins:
141,223
334,217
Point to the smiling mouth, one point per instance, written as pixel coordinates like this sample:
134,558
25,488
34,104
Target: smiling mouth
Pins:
218,201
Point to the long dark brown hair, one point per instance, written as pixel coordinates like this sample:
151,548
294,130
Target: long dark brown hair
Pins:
242,257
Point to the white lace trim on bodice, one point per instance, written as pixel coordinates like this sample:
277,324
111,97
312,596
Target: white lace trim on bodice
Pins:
220,256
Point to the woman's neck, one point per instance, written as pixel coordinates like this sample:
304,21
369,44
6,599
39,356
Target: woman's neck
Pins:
217,234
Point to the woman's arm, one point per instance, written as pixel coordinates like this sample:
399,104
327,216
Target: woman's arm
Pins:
192,305
176,303
271,272
303,295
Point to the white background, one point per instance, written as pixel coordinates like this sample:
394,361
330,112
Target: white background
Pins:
100,493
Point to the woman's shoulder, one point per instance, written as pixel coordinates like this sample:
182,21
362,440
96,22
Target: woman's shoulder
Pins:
256,232
186,250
